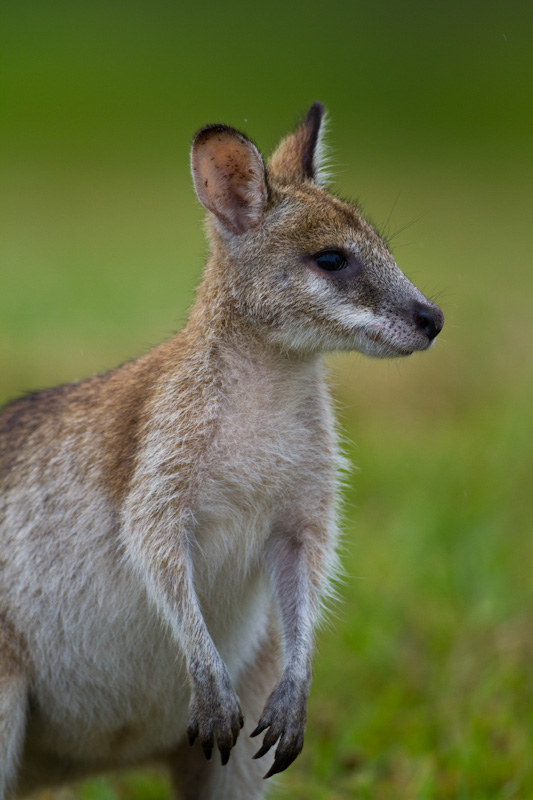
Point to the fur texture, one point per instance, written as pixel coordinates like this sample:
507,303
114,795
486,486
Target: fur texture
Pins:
168,530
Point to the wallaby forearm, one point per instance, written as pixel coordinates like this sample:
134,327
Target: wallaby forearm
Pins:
214,710
294,562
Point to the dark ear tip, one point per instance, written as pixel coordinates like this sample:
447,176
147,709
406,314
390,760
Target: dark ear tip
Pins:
206,133
315,113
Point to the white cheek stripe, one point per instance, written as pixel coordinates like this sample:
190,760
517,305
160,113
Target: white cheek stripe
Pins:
344,315
357,318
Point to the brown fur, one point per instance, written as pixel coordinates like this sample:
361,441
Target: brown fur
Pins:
168,530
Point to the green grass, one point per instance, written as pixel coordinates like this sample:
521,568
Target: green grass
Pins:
423,684
423,688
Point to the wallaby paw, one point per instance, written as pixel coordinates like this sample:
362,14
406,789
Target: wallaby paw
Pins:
284,715
215,715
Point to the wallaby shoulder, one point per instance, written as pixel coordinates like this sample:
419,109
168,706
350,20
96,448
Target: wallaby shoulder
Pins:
96,421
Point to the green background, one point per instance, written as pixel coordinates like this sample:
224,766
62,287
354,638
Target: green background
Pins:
423,685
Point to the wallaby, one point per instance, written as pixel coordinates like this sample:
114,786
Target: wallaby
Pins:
168,529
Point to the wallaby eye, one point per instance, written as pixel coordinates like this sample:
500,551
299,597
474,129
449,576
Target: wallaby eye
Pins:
330,260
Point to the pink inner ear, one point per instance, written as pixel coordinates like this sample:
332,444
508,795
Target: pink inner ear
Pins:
233,166
229,179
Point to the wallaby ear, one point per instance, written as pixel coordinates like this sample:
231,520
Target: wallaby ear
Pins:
229,177
299,156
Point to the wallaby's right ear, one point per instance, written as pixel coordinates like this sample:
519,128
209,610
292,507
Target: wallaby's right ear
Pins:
299,156
229,177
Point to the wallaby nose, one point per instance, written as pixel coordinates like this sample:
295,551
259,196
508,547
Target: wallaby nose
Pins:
428,319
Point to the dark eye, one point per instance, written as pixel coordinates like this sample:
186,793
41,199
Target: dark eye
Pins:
330,260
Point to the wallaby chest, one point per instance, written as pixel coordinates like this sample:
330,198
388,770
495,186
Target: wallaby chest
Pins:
273,451
270,424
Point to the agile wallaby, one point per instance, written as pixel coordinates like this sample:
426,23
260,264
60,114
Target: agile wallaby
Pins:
168,529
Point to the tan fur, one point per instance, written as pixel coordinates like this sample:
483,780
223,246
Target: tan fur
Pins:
168,530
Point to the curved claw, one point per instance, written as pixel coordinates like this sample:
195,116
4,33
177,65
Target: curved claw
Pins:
280,763
207,747
236,730
226,740
260,728
192,733
263,750
271,737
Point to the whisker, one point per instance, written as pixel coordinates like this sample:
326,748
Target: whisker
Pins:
407,225
386,223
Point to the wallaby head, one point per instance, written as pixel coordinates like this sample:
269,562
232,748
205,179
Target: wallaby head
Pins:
298,262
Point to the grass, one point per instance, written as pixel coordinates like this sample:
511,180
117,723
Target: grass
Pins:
423,685
427,675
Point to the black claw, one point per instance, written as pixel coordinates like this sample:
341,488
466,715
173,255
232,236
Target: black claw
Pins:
208,750
279,765
263,750
236,731
260,728
224,757
271,771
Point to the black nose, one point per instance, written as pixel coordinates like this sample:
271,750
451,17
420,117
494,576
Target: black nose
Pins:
428,319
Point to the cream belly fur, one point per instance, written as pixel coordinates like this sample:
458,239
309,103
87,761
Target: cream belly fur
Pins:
133,702
129,695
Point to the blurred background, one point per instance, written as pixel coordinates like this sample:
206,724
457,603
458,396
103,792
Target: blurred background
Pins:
424,678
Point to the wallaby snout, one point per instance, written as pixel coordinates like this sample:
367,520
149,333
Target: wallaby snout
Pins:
429,319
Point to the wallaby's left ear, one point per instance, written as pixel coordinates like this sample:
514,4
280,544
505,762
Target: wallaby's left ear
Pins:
229,177
299,157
